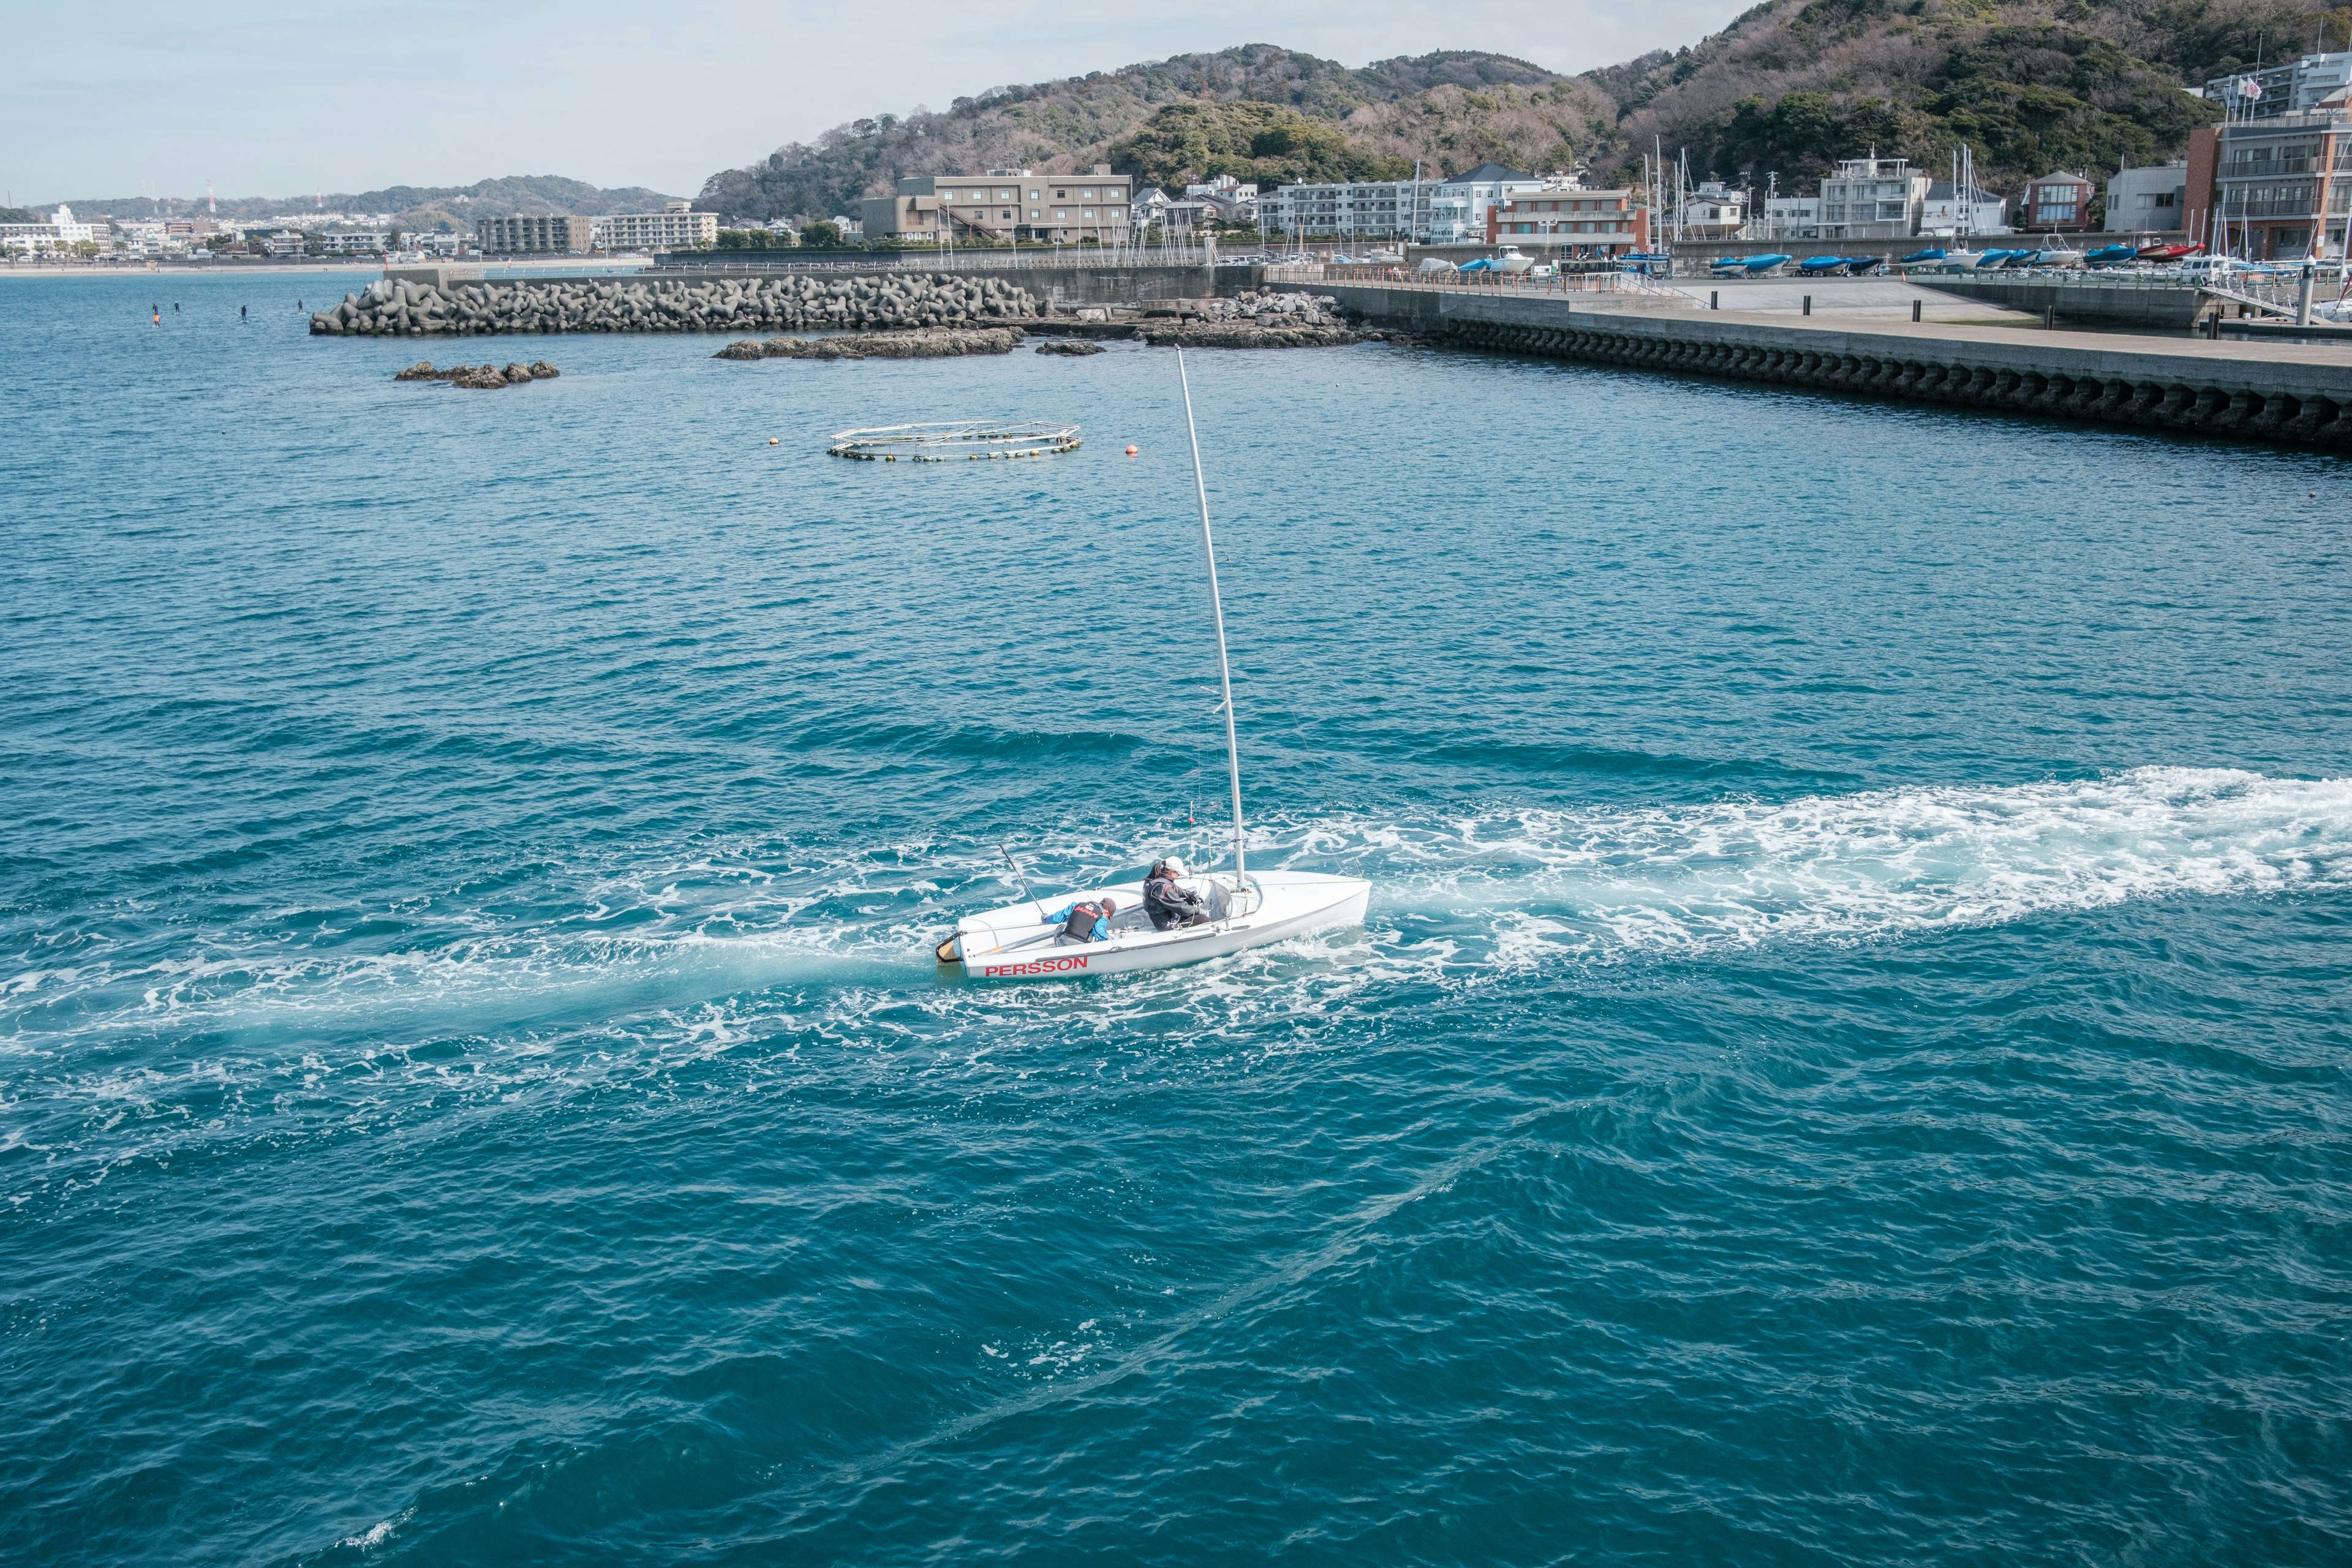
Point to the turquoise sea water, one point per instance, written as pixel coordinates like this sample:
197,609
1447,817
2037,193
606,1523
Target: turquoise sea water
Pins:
1847,1064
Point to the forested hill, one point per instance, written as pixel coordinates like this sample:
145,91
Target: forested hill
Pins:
2085,84
1258,111
1783,90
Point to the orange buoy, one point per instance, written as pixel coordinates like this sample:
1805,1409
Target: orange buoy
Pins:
1131,451
771,440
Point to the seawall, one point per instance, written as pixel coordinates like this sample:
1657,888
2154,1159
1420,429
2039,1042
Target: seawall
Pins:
2273,392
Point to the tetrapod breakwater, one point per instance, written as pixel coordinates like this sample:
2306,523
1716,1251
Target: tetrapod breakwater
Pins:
404,307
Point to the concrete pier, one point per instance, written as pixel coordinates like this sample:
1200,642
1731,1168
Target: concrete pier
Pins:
2292,393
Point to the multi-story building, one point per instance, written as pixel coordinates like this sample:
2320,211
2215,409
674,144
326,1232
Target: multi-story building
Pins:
1457,208
676,227
62,232
1366,209
2278,188
1570,219
535,236
1793,217
1952,210
2294,87
1006,204
2147,199
348,244
1873,198
2057,201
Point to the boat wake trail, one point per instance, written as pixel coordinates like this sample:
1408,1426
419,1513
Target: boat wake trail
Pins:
1850,868
1500,889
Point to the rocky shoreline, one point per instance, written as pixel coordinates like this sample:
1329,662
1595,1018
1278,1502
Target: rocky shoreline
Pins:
803,302
929,343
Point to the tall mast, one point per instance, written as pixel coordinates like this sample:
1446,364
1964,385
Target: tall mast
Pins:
1217,607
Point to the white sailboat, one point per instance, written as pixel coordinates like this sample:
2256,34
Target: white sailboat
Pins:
1246,909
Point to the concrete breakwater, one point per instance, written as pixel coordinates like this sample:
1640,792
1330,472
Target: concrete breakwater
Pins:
398,306
2288,392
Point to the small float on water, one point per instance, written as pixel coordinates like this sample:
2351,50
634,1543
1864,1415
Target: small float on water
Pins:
1243,909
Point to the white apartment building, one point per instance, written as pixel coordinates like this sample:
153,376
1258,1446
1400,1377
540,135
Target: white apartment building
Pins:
1948,211
62,232
361,243
1457,210
676,227
2147,199
2294,87
1372,209
1873,198
1793,217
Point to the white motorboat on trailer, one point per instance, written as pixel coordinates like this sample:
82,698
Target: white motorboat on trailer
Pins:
1243,909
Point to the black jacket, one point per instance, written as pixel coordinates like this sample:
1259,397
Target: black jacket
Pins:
1170,905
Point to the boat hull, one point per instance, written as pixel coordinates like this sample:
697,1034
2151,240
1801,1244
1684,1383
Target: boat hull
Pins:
1013,944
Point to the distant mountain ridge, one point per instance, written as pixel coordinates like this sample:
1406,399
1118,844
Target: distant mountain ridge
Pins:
418,206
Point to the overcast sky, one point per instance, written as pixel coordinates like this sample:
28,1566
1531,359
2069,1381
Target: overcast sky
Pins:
129,98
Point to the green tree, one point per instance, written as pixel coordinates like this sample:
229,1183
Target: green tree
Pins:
821,233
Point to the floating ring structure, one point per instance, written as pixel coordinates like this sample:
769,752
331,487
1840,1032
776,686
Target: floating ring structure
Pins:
955,441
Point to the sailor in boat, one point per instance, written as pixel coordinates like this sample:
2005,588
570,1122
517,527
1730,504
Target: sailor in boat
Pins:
1168,901
1084,919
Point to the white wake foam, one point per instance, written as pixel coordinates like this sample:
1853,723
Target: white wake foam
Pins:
1499,889
1883,863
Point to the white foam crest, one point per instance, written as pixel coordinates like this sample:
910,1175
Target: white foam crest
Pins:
1888,862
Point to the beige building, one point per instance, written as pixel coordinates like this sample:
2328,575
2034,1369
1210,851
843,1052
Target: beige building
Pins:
1573,219
535,235
1006,204
676,227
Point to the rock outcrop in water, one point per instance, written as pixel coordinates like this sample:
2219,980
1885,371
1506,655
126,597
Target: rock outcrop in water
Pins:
1069,346
880,345
801,301
1256,321
481,377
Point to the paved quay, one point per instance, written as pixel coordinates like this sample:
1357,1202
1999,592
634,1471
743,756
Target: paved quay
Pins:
2298,392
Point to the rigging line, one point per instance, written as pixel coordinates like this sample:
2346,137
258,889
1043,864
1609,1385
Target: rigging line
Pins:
1217,607
1017,876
